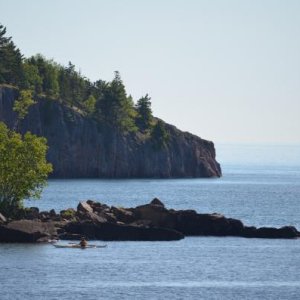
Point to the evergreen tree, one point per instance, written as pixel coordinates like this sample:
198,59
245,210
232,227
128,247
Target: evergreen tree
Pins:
10,60
107,102
159,135
144,118
114,107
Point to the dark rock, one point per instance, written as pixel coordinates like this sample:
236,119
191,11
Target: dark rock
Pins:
123,215
91,202
191,223
68,214
44,216
90,216
81,228
2,219
249,231
77,148
158,215
117,232
97,207
52,213
85,213
84,207
31,213
188,221
156,201
286,232
142,223
110,217
69,236
26,231
146,222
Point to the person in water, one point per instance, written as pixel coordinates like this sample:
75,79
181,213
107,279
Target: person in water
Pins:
83,243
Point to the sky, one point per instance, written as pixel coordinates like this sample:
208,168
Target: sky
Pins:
225,70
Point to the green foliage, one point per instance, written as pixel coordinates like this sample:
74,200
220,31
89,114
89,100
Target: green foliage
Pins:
32,79
74,88
114,107
90,104
144,118
68,214
159,135
23,103
10,60
106,102
48,72
23,168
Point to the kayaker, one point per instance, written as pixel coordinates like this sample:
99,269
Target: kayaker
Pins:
83,243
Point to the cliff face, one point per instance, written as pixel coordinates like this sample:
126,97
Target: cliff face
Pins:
79,148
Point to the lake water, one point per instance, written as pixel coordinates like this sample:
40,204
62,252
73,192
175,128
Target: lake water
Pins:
260,186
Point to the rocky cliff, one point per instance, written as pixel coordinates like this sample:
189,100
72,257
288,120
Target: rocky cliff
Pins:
80,148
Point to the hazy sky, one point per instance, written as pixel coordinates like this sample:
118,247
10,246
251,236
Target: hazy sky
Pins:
228,71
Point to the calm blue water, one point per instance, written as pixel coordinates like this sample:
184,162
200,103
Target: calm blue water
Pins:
259,187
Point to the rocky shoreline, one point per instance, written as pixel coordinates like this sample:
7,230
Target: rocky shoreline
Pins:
149,222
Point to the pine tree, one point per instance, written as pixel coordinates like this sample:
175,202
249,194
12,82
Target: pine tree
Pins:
10,60
159,135
144,118
115,108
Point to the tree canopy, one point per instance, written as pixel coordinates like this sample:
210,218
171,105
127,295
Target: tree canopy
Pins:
160,135
106,102
23,168
144,117
10,60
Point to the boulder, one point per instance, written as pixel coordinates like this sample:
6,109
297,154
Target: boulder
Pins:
121,232
52,213
2,219
90,216
31,213
27,231
97,206
85,213
84,207
158,215
82,228
123,215
44,216
190,223
286,232
156,201
110,217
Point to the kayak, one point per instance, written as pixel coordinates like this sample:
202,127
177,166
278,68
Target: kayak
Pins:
79,247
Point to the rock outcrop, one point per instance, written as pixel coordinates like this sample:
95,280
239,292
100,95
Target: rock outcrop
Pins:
2,219
79,147
27,231
149,222
120,232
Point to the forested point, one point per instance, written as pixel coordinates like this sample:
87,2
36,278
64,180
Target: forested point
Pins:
107,103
